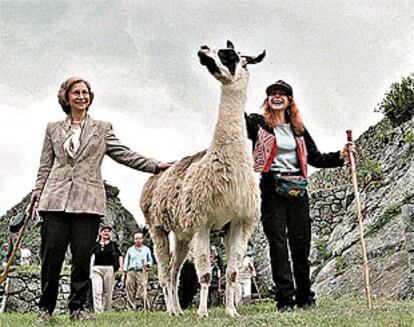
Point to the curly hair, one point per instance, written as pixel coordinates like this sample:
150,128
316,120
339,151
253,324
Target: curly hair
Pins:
292,116
64,89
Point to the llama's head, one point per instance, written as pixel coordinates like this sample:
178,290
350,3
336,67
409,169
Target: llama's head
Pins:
227,65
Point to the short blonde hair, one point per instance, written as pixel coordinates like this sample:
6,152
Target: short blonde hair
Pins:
64,89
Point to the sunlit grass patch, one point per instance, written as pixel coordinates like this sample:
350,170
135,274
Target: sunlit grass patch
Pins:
349,311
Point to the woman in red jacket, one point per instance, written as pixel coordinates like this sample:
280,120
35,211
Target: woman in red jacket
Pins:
282,150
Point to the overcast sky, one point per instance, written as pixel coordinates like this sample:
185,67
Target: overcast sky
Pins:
141,59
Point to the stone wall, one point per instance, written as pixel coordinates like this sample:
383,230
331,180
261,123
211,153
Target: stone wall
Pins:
24,294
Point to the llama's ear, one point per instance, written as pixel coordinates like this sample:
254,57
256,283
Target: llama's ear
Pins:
230,45
255,60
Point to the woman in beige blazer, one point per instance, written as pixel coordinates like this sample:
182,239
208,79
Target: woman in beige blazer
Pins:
70,195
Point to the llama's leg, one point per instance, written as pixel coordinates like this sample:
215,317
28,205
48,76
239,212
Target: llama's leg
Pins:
203,267
236,249
162,254
182,247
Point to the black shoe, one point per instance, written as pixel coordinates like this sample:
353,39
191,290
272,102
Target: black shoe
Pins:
284,308
44,317
81,315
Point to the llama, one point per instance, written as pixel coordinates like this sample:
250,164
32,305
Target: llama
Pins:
205,192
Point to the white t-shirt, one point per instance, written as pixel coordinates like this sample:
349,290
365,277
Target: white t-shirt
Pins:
286,159
25,253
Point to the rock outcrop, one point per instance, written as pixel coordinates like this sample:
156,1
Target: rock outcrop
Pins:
24,293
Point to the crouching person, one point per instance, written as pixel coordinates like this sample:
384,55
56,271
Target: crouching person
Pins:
137,261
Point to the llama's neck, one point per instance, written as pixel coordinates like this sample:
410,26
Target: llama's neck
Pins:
230,128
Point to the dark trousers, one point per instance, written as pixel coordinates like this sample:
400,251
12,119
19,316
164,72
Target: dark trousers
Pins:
60,229
213,297
286,221
188,286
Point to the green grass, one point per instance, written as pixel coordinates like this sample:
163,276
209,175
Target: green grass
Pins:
344,312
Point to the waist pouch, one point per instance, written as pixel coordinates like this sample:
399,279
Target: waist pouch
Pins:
290,186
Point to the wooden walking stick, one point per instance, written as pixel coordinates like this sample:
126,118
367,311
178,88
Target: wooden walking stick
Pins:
360,226
257,288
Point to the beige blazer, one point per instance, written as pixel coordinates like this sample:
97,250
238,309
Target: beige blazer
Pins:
76,185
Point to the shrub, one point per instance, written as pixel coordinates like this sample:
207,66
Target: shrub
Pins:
408,137
389,212
398,103
322,250
369,171
339,265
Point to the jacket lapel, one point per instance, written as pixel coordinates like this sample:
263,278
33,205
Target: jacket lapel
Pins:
89,130
61,134
65,130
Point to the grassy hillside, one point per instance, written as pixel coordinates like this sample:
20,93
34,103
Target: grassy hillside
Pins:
344,312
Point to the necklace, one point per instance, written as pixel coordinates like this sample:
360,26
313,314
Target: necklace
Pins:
103,245
76,121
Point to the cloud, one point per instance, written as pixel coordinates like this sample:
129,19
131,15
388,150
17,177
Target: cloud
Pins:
141,58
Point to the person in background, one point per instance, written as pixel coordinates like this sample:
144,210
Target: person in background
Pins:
4,253
137,261
25,255
106,260
214,290
244,277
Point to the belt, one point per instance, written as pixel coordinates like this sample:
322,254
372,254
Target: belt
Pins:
296,173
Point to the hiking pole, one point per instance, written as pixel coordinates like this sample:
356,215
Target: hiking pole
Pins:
3,275
360,226
257,288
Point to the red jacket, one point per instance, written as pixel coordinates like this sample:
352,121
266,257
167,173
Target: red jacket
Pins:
265,148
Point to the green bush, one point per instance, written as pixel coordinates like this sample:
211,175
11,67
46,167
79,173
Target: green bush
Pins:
385,133
339,265
408,137
398,102
389,212
369,171
322,250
